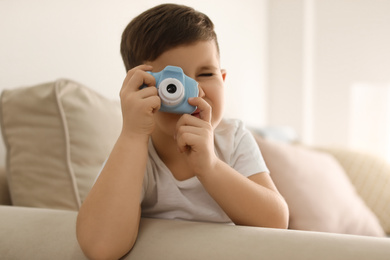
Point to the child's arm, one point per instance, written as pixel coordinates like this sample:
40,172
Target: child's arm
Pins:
108,220
252,201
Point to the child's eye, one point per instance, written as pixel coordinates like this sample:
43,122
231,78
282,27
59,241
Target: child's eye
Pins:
206,75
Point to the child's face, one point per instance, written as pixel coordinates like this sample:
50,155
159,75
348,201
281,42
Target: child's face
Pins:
199,61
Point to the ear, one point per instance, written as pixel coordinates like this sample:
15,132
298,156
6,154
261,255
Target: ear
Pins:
223,72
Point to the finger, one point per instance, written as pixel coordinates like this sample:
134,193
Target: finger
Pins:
203,107
137,77
187,142
131,72
188,129
148,92
153,103
141,78
188,120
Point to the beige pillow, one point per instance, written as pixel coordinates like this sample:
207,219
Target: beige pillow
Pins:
370,175
57,136
318,192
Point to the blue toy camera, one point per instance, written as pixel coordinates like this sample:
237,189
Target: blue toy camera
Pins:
174,89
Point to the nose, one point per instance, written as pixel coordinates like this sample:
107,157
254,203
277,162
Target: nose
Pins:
201,92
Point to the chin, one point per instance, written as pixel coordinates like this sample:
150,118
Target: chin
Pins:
215,120
167,117
166,123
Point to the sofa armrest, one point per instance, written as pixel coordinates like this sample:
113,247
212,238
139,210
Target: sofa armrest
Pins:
165,239
30,233
5,198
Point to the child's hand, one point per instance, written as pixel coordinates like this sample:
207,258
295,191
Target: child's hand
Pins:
139,105
195,137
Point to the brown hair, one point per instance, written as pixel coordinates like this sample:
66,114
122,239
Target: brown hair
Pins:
161,28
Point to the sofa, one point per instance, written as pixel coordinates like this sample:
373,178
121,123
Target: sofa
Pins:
58,134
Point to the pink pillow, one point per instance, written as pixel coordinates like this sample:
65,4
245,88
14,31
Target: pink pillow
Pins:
317,190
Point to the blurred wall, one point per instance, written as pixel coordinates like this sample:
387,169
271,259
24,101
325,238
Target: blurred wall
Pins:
43,40
290,62
319,51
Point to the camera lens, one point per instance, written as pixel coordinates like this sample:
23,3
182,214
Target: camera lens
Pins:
171,88
171,91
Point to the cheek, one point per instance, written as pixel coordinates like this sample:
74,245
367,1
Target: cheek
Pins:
216,98
215,94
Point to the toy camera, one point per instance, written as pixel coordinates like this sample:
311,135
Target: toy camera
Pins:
174,89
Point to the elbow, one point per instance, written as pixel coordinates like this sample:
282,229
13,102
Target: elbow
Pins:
275,215
102,250
102,247
282,223
278,216
282,216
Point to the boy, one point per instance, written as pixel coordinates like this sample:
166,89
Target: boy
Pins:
193,167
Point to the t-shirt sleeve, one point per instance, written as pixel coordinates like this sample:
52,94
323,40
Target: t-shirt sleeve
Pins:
246,157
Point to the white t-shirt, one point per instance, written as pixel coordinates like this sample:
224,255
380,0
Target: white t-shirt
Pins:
165,197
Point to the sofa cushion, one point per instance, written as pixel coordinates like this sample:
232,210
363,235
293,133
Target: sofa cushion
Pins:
318,192
57,136
370,175
5,198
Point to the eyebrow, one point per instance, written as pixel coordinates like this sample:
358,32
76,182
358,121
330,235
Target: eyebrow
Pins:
208,68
